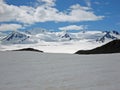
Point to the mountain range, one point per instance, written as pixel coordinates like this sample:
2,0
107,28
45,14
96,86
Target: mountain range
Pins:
38,38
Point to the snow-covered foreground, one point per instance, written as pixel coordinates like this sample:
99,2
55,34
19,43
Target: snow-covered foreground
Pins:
40,71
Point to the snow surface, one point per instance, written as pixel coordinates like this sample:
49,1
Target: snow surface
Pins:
40,71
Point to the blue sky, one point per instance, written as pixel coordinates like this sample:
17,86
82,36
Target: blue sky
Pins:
60,14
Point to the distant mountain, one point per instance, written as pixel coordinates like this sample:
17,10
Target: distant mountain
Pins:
65,36
109,35
112,32
111,47
41,35
14,38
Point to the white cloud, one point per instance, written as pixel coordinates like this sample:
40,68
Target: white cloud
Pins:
100,3
76,13
88,3
80,13
73,27
48,2
78,7
45,12
10,27
118,24
22,14
97,3
1,1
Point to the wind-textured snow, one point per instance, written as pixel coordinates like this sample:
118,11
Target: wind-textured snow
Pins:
40,71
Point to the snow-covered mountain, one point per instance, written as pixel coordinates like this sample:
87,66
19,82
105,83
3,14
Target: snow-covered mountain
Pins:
15,38
64,36
25,37
109,36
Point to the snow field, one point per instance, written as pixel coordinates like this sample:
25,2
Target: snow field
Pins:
44,71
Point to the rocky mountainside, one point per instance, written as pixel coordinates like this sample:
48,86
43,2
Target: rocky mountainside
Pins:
111,47
28,49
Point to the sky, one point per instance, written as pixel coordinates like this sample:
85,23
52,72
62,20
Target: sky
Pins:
57,15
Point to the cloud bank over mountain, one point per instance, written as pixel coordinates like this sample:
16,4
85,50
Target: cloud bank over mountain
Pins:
10,27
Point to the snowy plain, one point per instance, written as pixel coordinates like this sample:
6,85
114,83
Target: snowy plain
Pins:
44,71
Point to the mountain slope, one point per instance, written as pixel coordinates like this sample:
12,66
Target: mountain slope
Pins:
28,49
111,47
